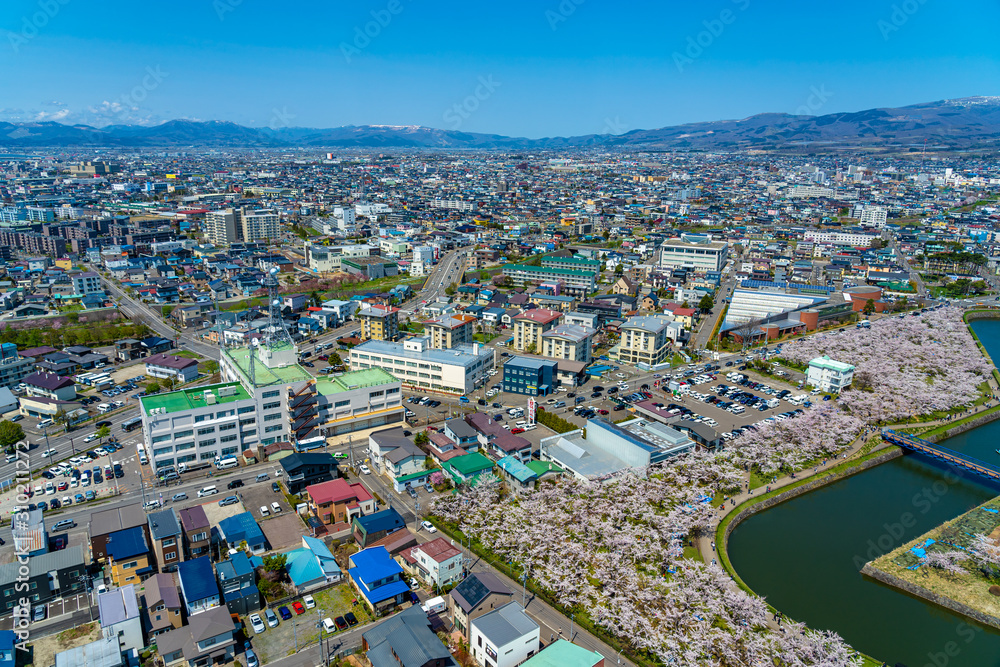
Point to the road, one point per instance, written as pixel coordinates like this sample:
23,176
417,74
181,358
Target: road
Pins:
700,339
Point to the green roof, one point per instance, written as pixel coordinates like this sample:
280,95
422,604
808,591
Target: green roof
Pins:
545,269
470,464
240,357
827,362
542,467
364,378
563,653
194,397
573,260
414,475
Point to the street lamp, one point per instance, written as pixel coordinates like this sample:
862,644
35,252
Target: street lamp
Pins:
572,617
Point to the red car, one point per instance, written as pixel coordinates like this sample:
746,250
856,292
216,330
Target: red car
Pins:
603,412
299,609
515,431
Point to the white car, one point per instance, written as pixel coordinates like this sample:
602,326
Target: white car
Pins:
309,602
257,623
49,452
328,625
90,438
428,526
264,511
364,469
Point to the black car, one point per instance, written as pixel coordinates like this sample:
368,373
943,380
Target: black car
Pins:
571,395
619,407
481,401
351,619
102,423
235,484
48,475
340,622
119,474
498,417
275,487
497,405
54,503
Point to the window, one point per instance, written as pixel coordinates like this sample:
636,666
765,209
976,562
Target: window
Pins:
272,406
341,404
161,438
227,438
251,432
206,431
183,434
272,429
169,542
188,445
271,394
227,427
206,443
224,414
198,537
229,450
200,418
246,410
129,566
247,422
271,418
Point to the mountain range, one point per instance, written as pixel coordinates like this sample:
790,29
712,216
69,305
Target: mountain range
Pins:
957,124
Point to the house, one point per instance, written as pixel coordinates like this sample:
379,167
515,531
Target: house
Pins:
29,534
477,594
235,530
338,501
129,557
156,344
368,529
119,614
197,531
459,432
128,349
197,582
167,537
409,634
53,574
624,286
238,584
828,375
312,566
437,563
564,653
103,652
468,467
51,386
394,454
304,469
106,522
378,579
504,637
165,365
517,476
209,641
162,601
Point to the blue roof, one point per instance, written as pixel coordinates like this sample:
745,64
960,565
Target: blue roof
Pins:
372,564
516,469
386,592
128,543
388,519
302,566
197,580
238,565
241,527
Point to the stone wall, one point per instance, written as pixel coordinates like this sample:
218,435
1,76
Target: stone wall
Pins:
894,452
59,321
920,592
963,427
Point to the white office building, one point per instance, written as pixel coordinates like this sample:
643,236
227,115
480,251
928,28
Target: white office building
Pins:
828,375
871,216
346,220
699,254
856,239
457,370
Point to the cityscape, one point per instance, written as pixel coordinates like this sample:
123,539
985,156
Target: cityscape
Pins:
454,367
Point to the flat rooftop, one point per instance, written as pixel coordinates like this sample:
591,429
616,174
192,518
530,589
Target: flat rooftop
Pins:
460,355
186,399
370,377
240,356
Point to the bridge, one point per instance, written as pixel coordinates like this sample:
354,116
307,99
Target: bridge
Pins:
949,456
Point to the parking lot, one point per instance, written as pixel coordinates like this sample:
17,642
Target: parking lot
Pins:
54,609
259,494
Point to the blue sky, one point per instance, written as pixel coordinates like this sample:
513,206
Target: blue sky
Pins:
518,68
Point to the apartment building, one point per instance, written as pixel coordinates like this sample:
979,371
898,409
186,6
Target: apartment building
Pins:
574,263
645,339
457,370
451,331
573,281
379,322
569,341
828,375
529,327
258,225
220,227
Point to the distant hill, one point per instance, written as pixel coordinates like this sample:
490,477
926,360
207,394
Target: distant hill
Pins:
966,123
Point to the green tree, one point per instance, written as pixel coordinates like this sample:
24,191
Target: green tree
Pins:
484,275
10,434
102,433
315,299
707,303
619,269
450,289
152,387
334,359
421,438
869,307
275,563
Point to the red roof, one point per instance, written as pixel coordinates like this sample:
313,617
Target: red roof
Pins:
683,312
337,491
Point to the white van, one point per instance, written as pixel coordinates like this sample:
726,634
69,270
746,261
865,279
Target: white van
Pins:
226,463
530,427
737,409
208,491
103,407
263,477
521,424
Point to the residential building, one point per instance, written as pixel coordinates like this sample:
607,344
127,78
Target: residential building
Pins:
504,637
570,342
870,216
220,227
373,527
646,339
118,610
529,327
51,575
530,376
572,263
102,652
338,501
197,531
437,563
378,579
168,538
573,281
128,349
162,601
450,331
129,558
181,369
13,367
459,370
259,225
409,634
240,528
198,587
86,282
238,584
210,641
694,252
104,523
304,469
856,239
477,594
51,386
828,375
518,477
379,322
312,566
564,653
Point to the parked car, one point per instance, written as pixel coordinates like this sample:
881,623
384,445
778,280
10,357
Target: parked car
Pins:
309,602
275,487
299,609
285,614
272,620
229,500
257,623
428,526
